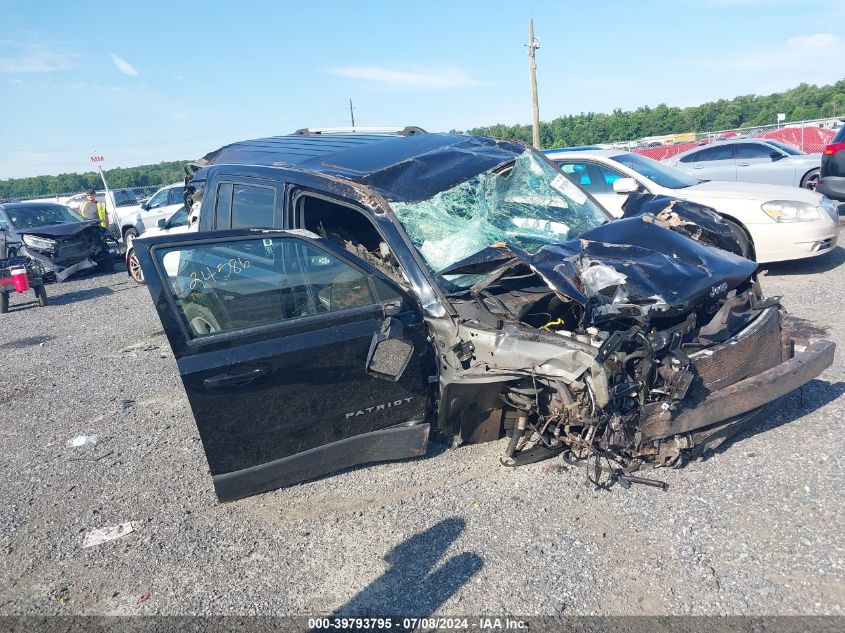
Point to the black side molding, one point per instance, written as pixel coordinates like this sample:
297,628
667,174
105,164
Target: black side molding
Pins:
396,442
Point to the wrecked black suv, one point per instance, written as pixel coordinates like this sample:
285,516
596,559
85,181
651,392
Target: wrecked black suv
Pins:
349,294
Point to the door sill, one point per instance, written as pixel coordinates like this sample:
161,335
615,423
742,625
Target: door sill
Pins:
396,442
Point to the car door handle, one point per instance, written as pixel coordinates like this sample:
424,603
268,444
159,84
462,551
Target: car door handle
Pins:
698,166
743,164
240,379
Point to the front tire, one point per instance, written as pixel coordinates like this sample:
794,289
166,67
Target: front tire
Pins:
129,235
746,246
810,180
134,267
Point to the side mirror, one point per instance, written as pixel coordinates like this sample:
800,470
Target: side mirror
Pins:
162,223
626,186
776,156
145,206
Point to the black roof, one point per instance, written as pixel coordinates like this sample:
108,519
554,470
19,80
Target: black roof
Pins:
400,168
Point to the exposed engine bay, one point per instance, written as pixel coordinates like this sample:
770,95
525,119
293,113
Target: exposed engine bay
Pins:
592,348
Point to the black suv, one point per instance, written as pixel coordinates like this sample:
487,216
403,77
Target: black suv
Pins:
832,175
349,294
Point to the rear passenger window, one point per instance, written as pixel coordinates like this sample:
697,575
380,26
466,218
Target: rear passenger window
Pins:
717,152
252,207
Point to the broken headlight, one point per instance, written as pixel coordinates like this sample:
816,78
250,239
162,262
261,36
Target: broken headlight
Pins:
39,243
790,211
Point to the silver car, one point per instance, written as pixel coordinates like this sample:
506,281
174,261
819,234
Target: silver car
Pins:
750,160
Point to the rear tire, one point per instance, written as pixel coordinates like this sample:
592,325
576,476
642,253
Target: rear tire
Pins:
810,180
134,267
746,246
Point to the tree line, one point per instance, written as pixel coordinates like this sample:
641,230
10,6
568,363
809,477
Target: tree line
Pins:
118,178
802,102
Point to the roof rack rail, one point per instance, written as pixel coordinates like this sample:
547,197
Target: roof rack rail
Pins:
408,130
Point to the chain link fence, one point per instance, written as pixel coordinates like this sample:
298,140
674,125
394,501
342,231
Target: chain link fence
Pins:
809,136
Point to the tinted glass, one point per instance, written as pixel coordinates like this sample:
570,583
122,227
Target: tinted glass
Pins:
717,152
252,207
235,285
754,150
840,135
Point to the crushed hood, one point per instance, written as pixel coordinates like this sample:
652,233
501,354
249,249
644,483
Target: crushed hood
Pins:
59,230
631,267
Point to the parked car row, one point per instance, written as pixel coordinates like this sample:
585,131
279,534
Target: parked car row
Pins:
775,223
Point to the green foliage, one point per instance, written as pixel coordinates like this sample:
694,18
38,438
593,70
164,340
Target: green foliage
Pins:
118,178
803,102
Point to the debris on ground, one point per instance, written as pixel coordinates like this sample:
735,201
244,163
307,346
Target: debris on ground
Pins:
99,536
82,440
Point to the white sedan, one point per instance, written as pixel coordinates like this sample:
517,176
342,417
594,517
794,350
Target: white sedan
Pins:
781,222
179,222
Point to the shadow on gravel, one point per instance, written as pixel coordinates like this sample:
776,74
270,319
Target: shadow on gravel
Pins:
791,407
80,295
26,342
411,584
820,264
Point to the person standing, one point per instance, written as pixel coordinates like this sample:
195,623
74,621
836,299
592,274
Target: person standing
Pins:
93,210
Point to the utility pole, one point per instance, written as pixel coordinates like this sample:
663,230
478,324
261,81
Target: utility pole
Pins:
351,113
533,45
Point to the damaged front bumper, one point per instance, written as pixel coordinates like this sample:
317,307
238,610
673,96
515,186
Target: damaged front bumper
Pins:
743,396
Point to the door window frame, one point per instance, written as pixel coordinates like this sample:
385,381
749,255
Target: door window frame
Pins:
246,181
297,324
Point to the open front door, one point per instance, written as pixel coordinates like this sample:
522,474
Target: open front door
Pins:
298,358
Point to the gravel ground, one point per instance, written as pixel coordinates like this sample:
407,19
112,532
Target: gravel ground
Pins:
757,528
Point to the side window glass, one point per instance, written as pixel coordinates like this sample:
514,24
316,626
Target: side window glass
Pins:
3,224
175,196
578,173
755,150
223,212
610,176
241,284
717,152
158,200
180,218
252,207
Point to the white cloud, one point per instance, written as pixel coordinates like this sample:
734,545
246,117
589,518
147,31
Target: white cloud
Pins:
124,66
31,56
416,77
799,52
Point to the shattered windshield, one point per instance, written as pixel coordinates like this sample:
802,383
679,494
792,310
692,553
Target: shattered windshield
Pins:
528,203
